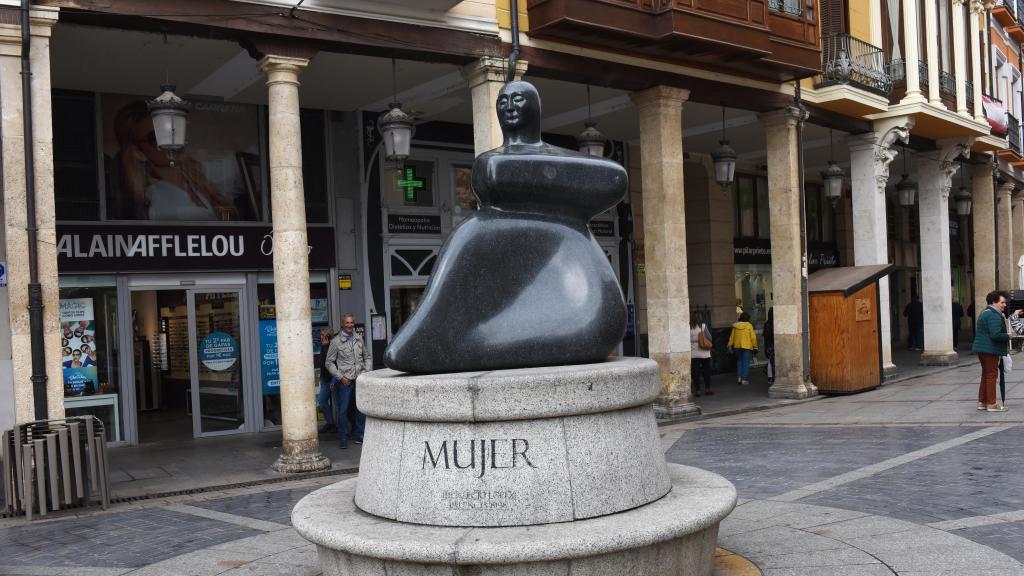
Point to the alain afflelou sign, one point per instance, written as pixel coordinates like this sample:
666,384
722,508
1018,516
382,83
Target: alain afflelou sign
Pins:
159,248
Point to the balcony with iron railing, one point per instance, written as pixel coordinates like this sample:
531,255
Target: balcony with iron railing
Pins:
1007,12
947,82
1013,133
969,88
849,60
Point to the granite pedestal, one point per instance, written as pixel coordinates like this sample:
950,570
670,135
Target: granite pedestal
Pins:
553,470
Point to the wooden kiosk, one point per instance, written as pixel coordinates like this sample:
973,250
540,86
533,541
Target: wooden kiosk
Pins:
846,347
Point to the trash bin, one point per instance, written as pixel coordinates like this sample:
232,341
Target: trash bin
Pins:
50,465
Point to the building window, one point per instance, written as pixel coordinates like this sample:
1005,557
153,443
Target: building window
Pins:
750,199
314,165
215,178
75,173
821,219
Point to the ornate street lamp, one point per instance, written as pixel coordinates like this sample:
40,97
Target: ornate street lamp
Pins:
170,117
963,196
725,160
396,127
591,142
906,189
832,176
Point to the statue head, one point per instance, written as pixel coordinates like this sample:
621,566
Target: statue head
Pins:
519,112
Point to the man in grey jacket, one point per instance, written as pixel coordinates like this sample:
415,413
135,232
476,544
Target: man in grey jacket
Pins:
346,360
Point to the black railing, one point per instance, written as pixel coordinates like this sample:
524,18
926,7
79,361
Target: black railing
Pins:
786,6
922,72
1013,133
848,60
969,88
947,82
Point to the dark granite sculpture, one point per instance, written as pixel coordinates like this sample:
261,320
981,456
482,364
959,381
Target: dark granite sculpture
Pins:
522,282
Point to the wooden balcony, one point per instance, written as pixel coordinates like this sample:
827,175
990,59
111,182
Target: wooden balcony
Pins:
765,39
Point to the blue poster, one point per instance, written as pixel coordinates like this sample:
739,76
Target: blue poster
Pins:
270,374
218,351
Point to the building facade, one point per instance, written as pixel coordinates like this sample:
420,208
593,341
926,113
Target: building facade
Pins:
187,298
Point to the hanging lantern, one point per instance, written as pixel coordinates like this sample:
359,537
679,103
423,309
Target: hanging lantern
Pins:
170,115
396,128
725,164
833,178
963,201
591,141
724,159
906,191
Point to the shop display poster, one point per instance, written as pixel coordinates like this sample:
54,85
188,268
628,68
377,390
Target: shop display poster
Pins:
78,347
270,373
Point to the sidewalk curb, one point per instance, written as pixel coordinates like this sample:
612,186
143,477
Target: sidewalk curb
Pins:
744,410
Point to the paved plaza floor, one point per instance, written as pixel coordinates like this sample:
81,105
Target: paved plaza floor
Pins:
908,479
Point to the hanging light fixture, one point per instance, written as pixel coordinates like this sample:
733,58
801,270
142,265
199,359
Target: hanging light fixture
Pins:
963,196
170,117
591,142
396,127
724,159
906,189
832,176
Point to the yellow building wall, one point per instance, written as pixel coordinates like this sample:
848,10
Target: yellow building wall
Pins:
504,15
860,21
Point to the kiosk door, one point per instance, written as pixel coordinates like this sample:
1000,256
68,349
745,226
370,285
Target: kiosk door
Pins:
217,392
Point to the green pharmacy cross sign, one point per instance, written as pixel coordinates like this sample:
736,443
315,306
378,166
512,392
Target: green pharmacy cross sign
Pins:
410,184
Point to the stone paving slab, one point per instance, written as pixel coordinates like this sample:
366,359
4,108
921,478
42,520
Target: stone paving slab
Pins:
99,541
768,461
1008,537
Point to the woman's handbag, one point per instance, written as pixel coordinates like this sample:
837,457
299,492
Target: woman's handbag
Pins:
704,339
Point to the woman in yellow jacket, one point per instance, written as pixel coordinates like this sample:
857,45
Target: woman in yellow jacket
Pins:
743,342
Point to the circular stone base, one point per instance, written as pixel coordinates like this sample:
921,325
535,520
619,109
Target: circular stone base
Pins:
674,535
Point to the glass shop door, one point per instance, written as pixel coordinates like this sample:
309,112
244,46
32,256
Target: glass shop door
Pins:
217,392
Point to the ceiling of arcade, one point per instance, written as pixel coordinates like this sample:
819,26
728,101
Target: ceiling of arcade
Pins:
134,62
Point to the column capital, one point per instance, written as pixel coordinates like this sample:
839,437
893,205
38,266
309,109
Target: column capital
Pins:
983,170
490,69
787,116
660,95
1005,188
282,69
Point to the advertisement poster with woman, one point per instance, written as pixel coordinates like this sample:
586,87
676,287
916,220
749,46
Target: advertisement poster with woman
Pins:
215,178
78,347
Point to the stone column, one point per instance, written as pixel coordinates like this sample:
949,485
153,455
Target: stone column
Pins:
935,175
984,217
15,217
1004,246
931,40
960,57
1018,238
977,10
870,156
485,77
789,261
668,302
300,447
912,54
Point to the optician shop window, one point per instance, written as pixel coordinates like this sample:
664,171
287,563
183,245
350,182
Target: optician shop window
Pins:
107,166
89,351
319,321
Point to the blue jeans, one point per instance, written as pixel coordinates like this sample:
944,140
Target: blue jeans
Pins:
342,396
323,401
742,363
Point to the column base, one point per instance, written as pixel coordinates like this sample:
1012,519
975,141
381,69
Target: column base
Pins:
673,410
889,371
299,463
939,358
792,388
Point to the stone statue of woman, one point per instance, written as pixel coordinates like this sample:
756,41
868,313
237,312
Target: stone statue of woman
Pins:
522,282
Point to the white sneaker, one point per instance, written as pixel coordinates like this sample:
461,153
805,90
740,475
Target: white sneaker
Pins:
981,405
995,408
